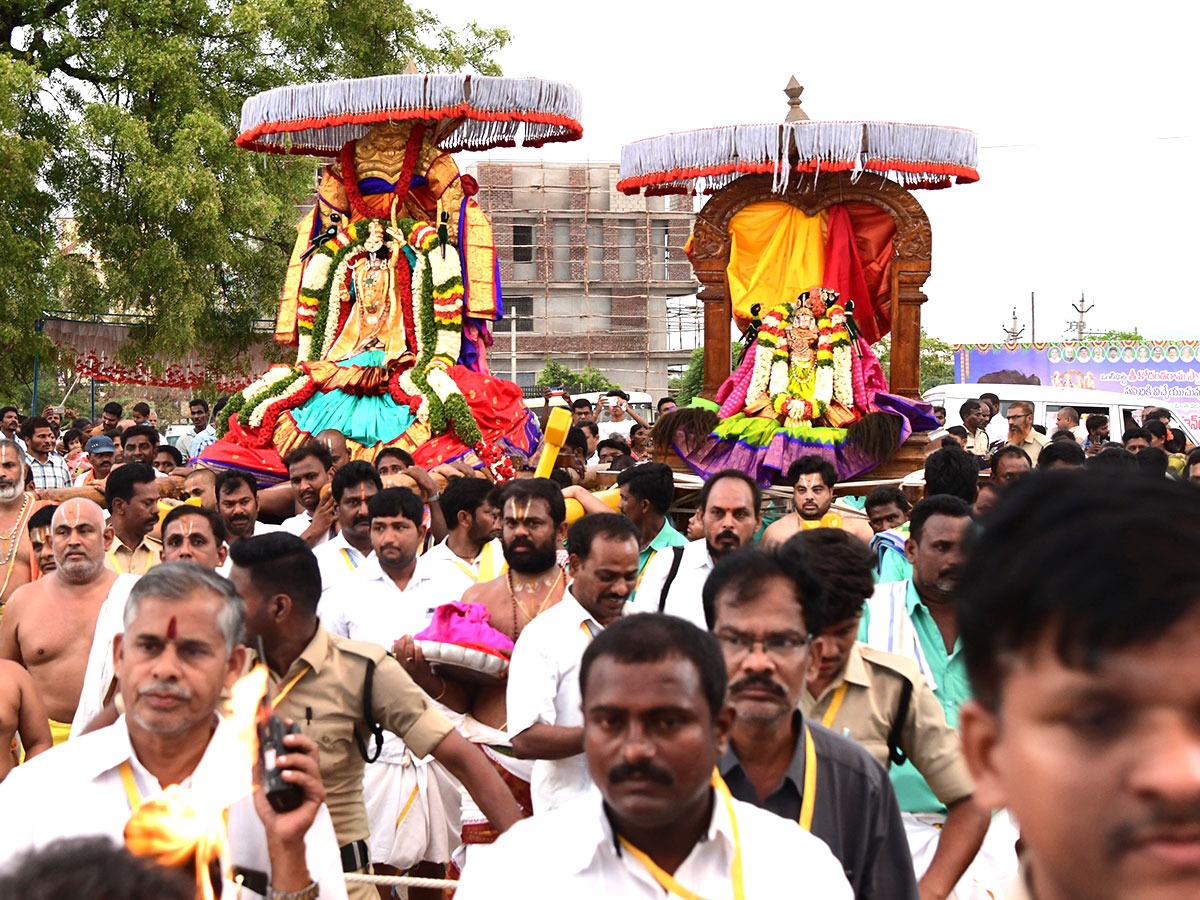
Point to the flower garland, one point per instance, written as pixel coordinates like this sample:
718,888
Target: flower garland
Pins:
498,465
843,380
768,343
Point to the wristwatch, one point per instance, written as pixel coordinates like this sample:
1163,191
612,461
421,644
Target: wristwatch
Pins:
434,497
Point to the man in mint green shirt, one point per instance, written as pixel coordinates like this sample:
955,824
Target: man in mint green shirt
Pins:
916,618
647,491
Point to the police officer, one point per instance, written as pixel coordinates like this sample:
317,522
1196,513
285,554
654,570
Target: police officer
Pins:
321,682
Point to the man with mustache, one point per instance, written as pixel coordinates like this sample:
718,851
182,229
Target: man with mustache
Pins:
190,534
1087,683
883,702
544,712
237,502
39,539
179,653
49,625
16,506
131,495
100,454
813,478
654,724
321,681
731,511
412,801
763,608
471,554
139,443
1021,432
916,618
352,487
532,527
310,468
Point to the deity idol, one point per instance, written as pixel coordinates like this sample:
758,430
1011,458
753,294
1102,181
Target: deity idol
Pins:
393,283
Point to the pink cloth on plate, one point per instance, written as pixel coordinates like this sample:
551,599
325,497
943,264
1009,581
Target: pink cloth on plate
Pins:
465,623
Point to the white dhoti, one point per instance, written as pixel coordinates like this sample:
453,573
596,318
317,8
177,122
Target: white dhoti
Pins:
994,866
413,807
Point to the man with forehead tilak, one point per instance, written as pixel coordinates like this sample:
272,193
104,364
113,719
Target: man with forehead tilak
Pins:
190,534
16,506
179,651
50,623
533,526
658,823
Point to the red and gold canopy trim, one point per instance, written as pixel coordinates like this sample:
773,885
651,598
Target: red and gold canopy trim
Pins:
318,119
704,161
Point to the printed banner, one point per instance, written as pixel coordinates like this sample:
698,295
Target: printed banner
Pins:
1163,371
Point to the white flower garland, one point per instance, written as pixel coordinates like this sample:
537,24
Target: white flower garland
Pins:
843,387
316,272
270,378
260,411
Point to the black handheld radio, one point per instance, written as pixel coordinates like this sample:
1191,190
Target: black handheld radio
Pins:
282,795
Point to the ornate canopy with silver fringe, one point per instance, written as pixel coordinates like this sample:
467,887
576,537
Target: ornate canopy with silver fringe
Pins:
704,161
476,112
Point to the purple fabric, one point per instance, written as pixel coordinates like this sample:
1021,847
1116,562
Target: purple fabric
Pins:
766,463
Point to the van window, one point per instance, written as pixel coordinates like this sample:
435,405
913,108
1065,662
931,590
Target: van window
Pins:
1129,419
1052,409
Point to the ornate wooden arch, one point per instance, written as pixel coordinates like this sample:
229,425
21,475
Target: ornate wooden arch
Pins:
913,246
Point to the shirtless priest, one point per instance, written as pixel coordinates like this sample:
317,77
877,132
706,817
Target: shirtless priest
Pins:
49,624
16,506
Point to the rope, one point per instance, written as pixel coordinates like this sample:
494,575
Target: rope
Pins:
406,880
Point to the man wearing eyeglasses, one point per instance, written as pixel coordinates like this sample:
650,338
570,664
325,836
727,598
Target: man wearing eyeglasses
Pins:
763,607
1021,432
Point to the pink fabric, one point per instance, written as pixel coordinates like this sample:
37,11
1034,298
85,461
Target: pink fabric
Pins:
866,375
465,623
732,393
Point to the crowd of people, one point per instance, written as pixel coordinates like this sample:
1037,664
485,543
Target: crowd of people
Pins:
976,685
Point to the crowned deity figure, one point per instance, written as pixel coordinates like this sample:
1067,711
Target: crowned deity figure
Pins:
392,284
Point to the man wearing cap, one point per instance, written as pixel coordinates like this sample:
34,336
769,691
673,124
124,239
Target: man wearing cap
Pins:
100,453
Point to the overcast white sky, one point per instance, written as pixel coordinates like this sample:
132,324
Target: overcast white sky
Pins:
1086,115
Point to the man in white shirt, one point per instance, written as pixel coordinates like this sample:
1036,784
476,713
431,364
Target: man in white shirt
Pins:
353,486
654,725
310,468
412,801
544,714
198,410
179,652
237,502
975,417
190,534
731,510
471,553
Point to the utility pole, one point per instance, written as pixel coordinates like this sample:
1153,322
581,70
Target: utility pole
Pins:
1032,319
1079,325
1012,333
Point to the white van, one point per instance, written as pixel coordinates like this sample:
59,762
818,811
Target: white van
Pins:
639,401
1123,410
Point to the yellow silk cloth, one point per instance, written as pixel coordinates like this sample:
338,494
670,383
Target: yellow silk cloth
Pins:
479,262
776,253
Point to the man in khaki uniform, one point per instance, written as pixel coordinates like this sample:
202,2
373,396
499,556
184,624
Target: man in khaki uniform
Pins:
318,682
882,701
131,494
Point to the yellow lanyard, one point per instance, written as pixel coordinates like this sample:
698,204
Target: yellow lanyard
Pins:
668,882
809,800
287,687
487,563
835,704
131,788
349,559
112,556
643,572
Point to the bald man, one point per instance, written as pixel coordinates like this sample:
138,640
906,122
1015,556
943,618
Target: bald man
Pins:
49,624
335,442
202,485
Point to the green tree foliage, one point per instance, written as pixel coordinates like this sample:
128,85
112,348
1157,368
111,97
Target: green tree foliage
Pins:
1117,336
122,113
586,381
936,360
691,382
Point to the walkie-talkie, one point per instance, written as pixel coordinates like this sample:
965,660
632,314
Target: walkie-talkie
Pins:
282,795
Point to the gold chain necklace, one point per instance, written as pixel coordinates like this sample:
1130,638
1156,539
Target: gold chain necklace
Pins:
9,541
518,604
